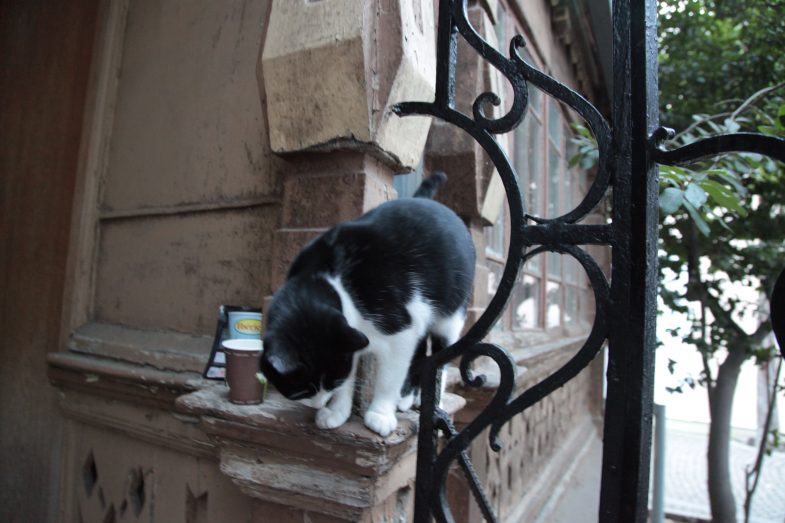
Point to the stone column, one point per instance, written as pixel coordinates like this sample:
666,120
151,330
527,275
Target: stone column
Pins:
330,72
475,190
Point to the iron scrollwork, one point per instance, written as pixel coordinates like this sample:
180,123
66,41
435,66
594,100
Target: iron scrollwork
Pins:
560,234
532,235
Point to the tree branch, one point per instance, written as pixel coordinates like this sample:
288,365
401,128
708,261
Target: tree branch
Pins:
752,475
755,97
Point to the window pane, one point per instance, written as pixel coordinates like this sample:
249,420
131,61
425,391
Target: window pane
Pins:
554,265
520,158
571,269
499,28
526,303
534,264
554,181
495,271
571,305
533,192
553,305
568,193
535,95
494,236
406,184
554,122
583,305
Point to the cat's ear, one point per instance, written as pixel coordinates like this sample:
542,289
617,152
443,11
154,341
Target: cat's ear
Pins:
352,340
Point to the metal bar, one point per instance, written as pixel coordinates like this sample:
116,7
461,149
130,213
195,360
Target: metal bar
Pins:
658,489
446,57
777,307
737,142
628,413
560,232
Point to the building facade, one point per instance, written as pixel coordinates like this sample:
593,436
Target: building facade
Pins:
209,141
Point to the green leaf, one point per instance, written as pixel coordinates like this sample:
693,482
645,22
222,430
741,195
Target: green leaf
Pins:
732,178
695,195
590,159
731,126
780,120
703,227
724,197
670,177
671,199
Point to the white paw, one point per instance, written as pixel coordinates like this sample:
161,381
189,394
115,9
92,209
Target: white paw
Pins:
406,402
417,399
327,418
381,423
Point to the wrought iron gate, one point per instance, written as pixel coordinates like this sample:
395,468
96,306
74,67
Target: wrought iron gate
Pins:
625,307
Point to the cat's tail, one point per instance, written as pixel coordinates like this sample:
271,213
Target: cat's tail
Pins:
431,185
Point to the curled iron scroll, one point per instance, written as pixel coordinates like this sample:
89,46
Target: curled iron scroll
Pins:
771,146
433,465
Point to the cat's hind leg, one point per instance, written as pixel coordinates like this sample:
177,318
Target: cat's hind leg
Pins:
445,332
410,392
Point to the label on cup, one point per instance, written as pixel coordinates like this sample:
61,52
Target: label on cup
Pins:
245,325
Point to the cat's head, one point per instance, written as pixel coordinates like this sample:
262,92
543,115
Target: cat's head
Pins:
308,353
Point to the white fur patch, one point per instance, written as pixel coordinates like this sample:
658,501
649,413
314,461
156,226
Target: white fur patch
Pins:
319,400
450,327
393,353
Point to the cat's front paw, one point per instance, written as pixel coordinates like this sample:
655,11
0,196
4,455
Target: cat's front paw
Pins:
380,422
327,418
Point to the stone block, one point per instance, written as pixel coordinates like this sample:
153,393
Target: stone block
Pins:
333,69
311,200
287,243
451,149
273,452
173,272
188,125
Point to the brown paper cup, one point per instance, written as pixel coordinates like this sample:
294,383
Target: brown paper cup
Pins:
242,365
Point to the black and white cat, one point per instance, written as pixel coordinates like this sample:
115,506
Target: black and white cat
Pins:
381,284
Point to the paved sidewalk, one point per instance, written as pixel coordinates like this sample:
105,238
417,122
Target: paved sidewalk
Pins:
686,476
686,492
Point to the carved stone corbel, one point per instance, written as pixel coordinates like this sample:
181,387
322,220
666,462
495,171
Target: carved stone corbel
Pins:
275,452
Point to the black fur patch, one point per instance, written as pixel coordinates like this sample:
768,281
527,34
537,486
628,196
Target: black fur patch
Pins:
383,258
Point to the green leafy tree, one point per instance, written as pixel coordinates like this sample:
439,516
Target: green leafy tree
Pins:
723,221
713,53
722,224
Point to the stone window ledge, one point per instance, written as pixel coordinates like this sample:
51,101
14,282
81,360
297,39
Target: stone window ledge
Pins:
533,364
273,451
118,380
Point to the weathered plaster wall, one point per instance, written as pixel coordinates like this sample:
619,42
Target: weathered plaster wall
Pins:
172,273
188,124
189,191
45,50
188,208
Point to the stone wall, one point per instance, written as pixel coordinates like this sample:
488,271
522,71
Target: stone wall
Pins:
538,445
222,137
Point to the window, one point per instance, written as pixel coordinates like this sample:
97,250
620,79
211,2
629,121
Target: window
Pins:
406,184
551,292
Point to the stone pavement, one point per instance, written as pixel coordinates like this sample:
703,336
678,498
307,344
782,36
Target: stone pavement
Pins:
685,481
686,476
